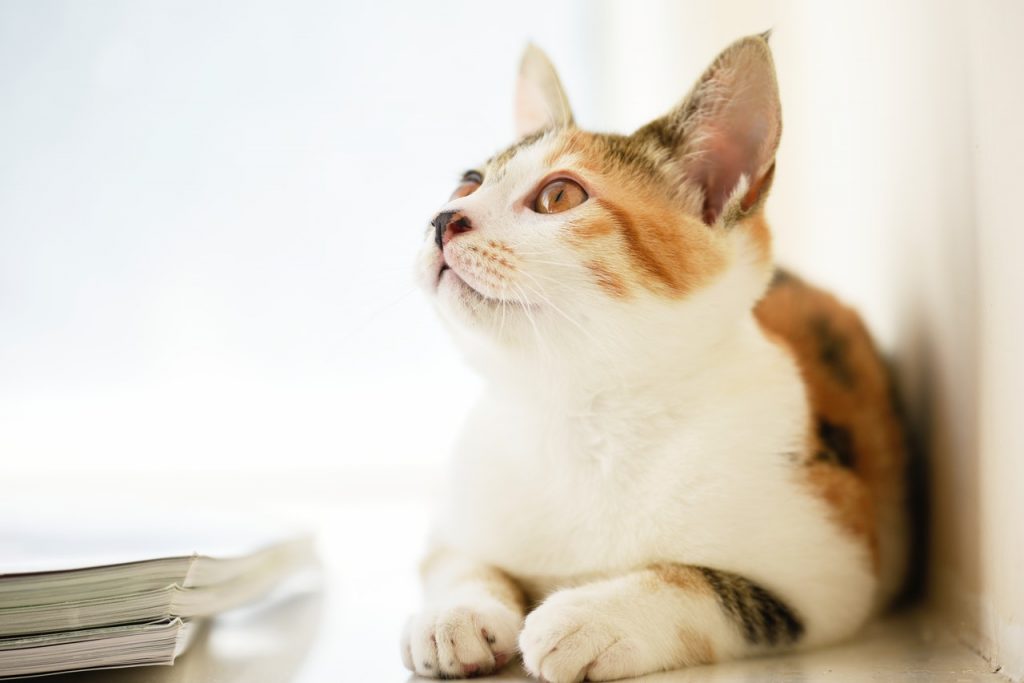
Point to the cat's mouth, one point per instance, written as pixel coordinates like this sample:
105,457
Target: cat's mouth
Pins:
448,274
460,282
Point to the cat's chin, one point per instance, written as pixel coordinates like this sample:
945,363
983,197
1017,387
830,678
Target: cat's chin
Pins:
452,286
489,316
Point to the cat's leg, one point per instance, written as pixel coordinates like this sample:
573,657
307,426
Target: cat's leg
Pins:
469,623
664,617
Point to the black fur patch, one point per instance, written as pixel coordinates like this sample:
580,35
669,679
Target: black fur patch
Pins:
780,277
836,442
762,617
624,151
662,132
832,348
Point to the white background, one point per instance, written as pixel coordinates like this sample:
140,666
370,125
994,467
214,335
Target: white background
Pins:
208,214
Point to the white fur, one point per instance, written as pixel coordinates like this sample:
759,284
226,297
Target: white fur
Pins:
613,435
474,627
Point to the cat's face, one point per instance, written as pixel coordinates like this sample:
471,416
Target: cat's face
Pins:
571,240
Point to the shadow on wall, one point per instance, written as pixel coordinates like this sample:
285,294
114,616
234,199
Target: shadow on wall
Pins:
934,364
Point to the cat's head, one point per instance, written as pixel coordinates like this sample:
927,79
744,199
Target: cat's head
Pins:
578,246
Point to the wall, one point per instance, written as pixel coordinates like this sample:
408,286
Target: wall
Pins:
900,158
997,109
208,218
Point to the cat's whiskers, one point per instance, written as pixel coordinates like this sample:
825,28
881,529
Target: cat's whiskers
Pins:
572,266
531,255
561,281
523,300
501,325
545,299
601,345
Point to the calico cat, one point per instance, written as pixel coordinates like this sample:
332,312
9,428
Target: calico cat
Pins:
683,455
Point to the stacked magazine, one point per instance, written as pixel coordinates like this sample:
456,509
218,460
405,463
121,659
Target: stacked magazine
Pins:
66,605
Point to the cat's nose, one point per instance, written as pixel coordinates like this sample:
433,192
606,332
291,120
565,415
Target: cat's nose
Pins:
447,225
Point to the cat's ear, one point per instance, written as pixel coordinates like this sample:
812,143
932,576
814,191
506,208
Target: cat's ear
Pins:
540,99
727,128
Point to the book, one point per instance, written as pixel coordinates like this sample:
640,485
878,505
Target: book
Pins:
86,603
109,647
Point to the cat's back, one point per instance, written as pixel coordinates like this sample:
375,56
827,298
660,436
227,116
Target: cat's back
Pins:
857,456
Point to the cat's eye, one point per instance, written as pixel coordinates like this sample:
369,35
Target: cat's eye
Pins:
559,195
468,185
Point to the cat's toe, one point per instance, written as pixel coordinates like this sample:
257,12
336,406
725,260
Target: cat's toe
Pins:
560,645
459,641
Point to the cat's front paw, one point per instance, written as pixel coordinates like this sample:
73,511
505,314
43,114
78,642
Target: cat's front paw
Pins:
570,638
464,638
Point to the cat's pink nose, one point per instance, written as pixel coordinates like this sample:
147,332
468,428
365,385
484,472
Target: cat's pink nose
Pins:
447,225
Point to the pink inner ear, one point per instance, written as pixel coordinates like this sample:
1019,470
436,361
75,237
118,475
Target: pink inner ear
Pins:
733,126
729,148
718,171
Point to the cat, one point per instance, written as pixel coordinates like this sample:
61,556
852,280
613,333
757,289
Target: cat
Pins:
683,455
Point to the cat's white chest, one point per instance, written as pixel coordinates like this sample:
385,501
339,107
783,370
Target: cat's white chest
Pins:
697,474
550,497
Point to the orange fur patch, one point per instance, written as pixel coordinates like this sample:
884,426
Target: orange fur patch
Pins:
760,233
680,576
591,229
857,454
665,250
668,253
850,502
500,246
608,280
757,188
697,647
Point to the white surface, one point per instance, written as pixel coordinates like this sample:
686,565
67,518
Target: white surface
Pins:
349,632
